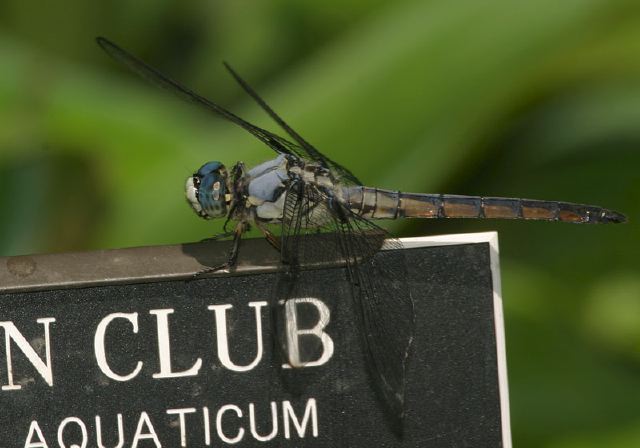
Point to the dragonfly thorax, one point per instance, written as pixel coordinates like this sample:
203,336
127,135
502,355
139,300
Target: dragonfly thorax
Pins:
208,191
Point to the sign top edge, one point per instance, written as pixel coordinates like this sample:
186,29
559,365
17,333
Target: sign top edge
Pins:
164,263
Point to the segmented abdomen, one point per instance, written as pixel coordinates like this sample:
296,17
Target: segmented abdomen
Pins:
387,204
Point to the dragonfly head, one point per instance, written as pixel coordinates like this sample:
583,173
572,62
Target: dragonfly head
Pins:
208,191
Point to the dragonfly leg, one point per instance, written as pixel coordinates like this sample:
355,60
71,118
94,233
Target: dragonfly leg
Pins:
226,223
270,237
232,258
219,236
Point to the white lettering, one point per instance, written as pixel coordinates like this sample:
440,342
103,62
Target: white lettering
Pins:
164,348
82,427
99,432
181,413
207,426
223,437
44,369
222,337
310,412
230,427
274,423
34,430
99,347
151,432
294,333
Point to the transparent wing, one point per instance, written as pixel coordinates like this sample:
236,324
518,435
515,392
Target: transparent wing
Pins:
307,238
383,307
305,150
303,241
317,229
153,76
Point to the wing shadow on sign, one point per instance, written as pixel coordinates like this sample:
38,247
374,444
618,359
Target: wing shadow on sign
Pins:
257,256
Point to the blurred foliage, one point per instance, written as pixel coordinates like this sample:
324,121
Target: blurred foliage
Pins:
530,99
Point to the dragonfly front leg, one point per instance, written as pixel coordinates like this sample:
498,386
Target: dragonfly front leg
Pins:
226,233
232,258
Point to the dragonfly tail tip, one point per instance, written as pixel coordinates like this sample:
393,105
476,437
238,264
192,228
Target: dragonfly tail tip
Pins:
614,217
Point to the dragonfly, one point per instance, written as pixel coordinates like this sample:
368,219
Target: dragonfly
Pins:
321,210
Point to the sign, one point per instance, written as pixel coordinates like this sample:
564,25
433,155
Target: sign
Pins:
118,349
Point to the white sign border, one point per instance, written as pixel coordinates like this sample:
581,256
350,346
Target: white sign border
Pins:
498,314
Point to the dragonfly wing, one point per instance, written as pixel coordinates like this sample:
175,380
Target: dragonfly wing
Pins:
153,76
305,150
383,307
316,229
307,238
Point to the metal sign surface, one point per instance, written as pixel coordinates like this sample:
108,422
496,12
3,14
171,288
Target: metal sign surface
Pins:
120,349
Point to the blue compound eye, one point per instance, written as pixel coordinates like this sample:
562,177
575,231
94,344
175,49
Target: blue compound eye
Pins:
207,190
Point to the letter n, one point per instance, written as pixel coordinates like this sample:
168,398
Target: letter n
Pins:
44,369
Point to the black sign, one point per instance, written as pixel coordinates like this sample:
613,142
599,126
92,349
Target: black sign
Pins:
117,349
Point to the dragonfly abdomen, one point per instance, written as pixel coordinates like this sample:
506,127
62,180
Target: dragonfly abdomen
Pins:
387,204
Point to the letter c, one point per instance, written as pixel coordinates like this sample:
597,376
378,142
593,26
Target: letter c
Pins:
98,344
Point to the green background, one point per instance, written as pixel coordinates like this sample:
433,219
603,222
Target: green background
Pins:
537,99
